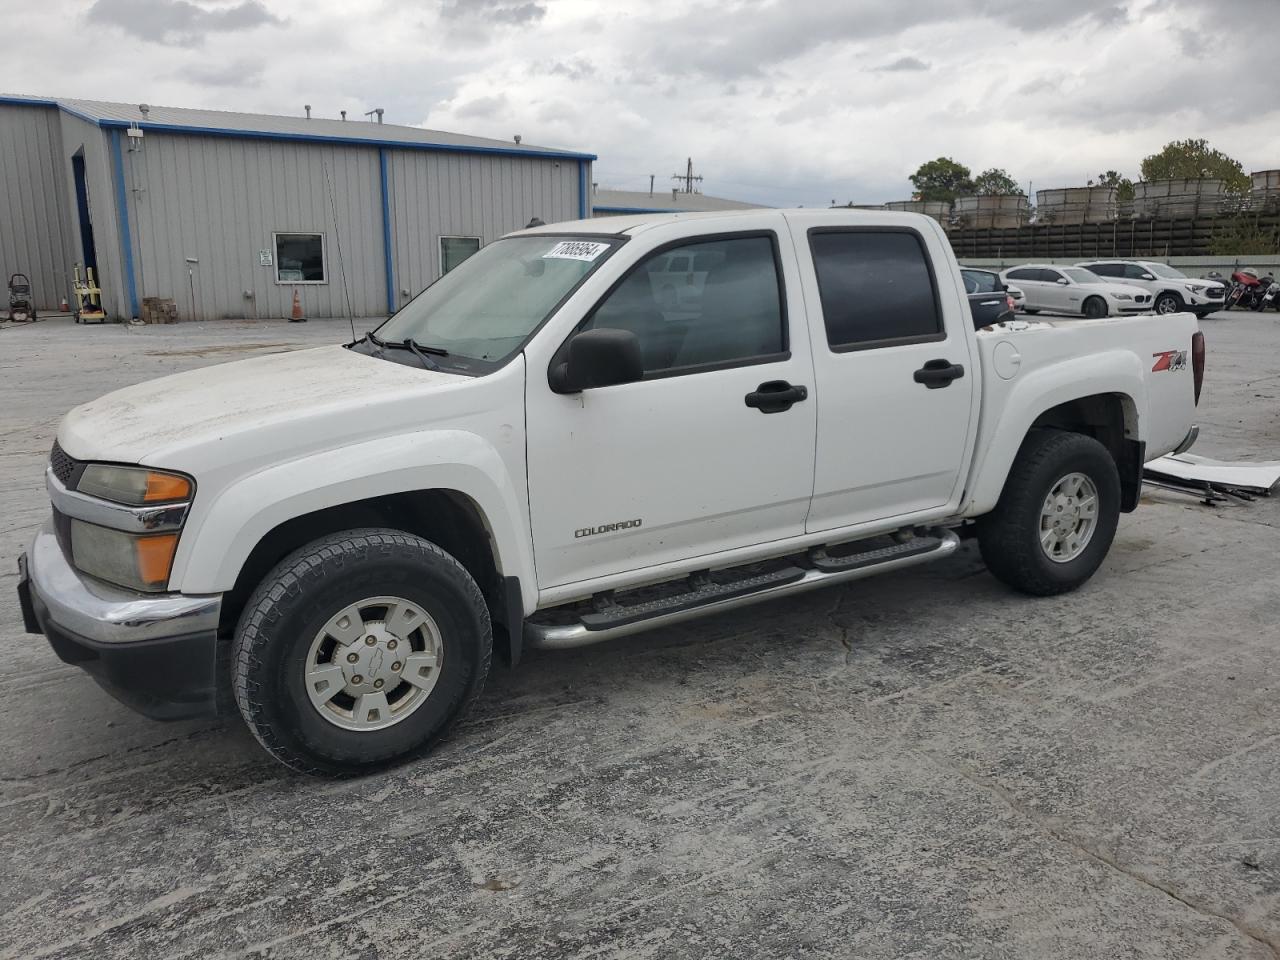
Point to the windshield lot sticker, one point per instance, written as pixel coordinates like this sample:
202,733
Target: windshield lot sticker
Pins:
575,250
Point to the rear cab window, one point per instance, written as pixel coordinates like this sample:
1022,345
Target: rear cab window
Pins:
876,286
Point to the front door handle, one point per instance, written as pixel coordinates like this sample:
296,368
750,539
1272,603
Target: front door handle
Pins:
775,396
939,373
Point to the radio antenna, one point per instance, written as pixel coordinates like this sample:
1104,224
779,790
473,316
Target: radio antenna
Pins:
337,239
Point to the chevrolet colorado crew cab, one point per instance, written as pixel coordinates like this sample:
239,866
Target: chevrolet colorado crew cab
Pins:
541,450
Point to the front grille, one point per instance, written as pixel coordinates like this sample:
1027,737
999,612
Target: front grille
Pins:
62,465
1142,298
1215,293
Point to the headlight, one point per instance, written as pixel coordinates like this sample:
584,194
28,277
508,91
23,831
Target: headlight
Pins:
135,486
1121,296
141,562
1196,287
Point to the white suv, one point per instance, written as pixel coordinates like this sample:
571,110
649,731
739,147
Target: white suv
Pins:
1173,291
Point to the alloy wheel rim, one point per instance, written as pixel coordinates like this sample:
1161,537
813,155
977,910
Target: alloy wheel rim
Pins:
1167,306
1068,518
373,663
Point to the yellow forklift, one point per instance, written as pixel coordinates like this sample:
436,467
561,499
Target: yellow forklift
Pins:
88,297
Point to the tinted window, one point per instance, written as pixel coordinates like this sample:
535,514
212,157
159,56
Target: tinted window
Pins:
874,285
1049,276
1024,273
1132,272
728,307
981,281
1106,269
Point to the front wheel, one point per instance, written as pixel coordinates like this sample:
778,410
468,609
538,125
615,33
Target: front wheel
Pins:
1168,303
1057,515
360,650
1095,308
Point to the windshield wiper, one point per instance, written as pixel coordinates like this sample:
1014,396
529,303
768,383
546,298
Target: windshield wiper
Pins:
419,351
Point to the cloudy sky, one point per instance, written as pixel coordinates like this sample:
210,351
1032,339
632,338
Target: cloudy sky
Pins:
783,102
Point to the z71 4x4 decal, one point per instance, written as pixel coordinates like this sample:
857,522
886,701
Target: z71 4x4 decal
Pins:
1170,360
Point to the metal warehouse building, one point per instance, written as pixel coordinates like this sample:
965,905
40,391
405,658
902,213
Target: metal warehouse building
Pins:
229,213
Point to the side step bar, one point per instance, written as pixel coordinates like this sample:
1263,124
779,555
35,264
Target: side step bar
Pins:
621,621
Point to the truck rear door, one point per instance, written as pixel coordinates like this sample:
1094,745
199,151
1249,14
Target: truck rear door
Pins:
897,385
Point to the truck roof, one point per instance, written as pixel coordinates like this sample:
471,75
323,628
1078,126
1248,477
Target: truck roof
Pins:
636,223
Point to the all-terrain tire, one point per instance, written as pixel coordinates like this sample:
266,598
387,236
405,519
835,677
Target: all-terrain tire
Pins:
1009,536
293,604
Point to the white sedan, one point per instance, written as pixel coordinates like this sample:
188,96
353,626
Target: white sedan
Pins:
1074,290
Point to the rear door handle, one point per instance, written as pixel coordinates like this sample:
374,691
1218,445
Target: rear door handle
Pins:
775,396
939,373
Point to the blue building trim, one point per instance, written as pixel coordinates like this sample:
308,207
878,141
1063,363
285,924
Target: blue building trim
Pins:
583,190
113,124
122,219
28,101
386,230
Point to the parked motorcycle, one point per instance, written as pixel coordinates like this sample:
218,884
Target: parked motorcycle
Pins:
1246,287
1272,297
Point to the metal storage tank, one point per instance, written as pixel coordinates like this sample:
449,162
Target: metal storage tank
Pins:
1266,187
940,210
1177,198
998,210
1076,205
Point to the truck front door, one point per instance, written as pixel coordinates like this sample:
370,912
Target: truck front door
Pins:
695,458
897,398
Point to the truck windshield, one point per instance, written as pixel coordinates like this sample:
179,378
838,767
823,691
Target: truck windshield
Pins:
486,307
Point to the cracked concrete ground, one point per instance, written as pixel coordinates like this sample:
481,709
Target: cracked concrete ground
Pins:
920,765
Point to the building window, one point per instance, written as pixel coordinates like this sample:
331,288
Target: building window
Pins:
300,258
453,250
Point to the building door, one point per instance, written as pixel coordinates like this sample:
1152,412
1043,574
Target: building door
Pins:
88,254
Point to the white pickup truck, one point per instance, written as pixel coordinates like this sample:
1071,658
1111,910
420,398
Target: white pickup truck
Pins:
539,450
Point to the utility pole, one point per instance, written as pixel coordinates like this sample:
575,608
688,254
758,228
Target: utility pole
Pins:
687,176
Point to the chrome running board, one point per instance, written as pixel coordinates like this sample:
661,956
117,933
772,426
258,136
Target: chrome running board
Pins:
547,636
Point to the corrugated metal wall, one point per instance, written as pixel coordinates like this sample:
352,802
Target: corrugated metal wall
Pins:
219,201
470,195
33,220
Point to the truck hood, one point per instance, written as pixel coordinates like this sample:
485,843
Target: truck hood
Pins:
153,421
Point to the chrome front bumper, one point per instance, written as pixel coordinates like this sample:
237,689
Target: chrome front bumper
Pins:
157,653
105,614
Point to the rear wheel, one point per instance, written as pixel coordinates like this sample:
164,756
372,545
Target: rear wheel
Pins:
1095,308
1030,311
1057,515
360,650
1168,303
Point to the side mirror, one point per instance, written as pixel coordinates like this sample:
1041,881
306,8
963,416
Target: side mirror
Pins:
1004,287
1063,281
1147,276
598,358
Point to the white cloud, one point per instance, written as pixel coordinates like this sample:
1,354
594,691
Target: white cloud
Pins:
793,102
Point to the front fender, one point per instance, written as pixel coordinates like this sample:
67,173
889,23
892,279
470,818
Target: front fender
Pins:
1022,400
219,535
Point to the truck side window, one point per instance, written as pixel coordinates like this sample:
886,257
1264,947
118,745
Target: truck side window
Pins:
876,288
723,304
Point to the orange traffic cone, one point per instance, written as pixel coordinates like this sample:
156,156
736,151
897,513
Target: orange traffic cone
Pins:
297,316
64,307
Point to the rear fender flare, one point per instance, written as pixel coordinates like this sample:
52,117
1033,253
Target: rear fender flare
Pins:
1114,372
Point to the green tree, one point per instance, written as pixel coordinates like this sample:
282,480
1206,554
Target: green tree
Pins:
1113,178
995,181
942,179
1192,159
